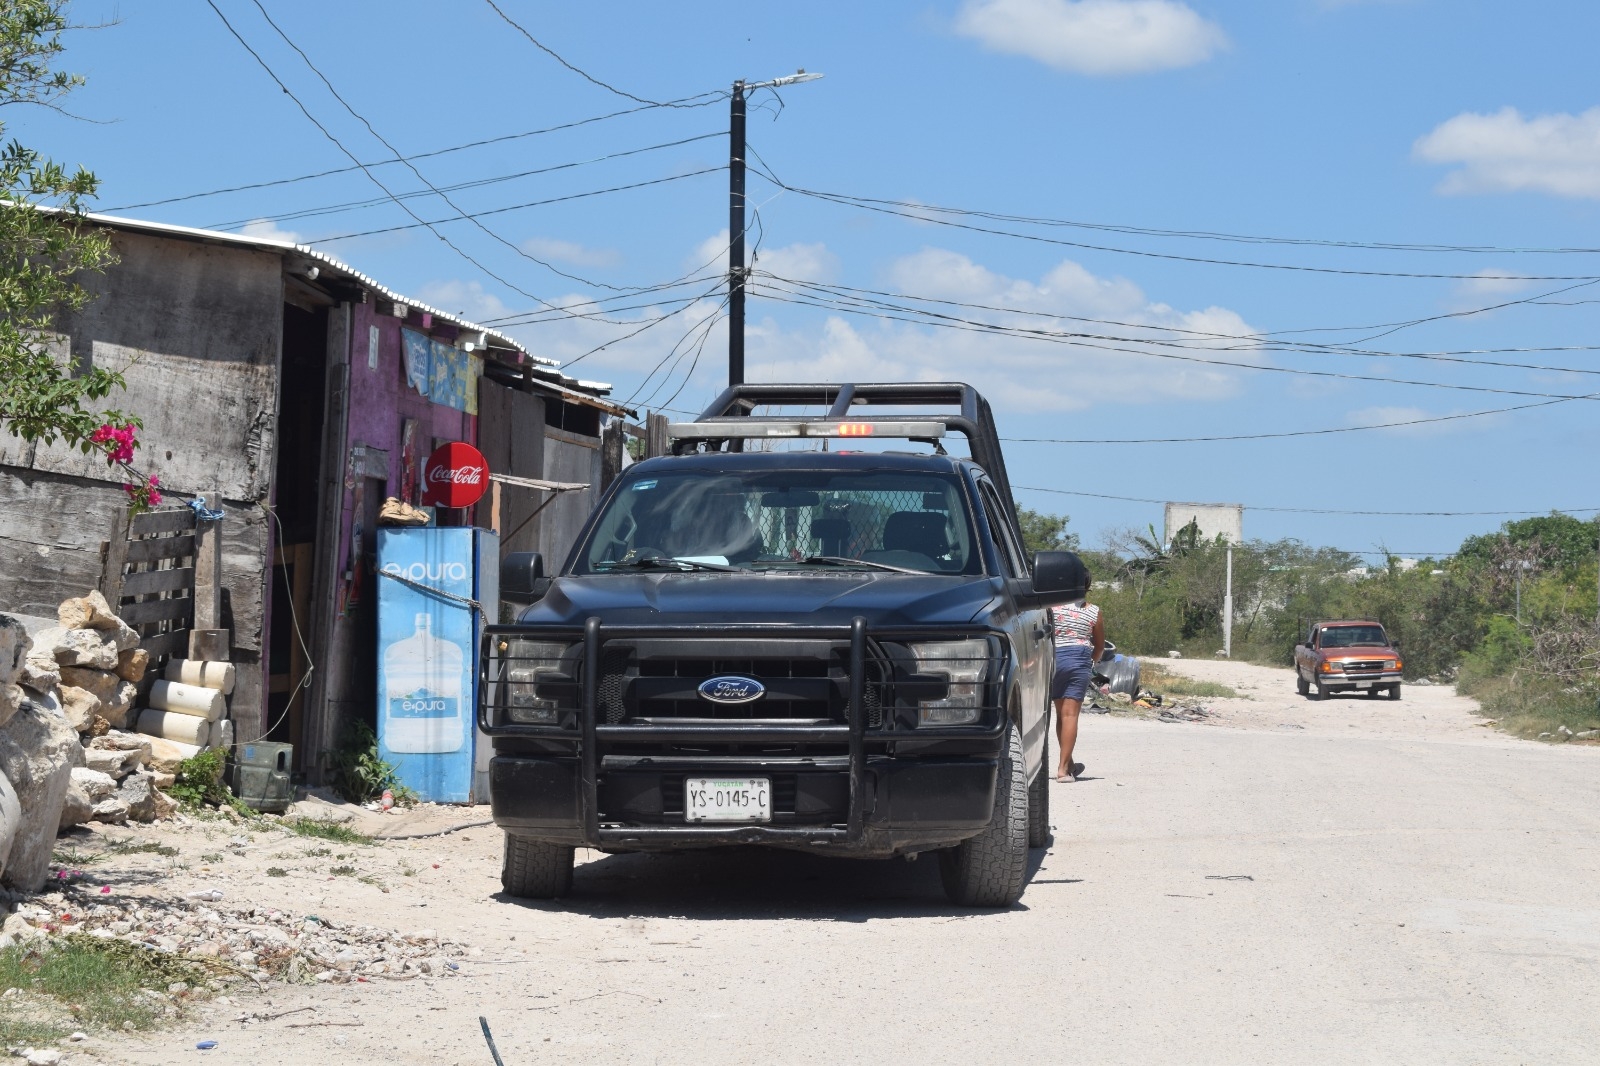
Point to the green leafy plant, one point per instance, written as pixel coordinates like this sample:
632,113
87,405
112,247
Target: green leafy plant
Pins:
360,775
311,827
45,246
199,782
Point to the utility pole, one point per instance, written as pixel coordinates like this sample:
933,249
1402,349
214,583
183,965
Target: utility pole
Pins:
1227,611
737,270
736,267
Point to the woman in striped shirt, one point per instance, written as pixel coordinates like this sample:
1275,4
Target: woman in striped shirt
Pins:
1080,638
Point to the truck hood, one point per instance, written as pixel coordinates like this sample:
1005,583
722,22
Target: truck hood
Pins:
811,598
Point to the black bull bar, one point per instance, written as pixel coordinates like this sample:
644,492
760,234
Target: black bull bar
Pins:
589,732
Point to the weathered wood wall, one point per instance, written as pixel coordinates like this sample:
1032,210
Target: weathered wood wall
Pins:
196,330
571,458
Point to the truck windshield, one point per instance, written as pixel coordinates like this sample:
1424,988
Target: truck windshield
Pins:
786,519
1354,637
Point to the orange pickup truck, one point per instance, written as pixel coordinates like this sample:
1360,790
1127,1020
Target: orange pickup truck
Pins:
1347,656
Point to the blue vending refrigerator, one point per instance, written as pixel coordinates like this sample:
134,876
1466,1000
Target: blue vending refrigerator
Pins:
428,635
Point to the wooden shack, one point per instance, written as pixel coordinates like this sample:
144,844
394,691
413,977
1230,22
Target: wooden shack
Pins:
276,380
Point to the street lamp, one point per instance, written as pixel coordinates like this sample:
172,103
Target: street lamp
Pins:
737,271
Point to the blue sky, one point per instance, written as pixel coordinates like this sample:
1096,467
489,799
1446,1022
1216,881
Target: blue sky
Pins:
1409,122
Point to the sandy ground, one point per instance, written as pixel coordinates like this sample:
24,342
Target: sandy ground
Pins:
1350,881
1268,700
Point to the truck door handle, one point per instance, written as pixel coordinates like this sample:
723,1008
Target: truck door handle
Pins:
1040,632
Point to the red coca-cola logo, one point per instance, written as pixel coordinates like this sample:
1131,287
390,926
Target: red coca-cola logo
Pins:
456,475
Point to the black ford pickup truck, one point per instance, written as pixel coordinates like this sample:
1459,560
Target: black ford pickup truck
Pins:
840,651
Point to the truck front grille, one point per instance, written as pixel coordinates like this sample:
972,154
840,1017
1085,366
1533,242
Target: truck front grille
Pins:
660,680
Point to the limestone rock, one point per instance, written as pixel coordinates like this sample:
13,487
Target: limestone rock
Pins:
100,682
38,751
88,612
39,671
116,740
115,711
75,808
14,647
80,706
165,780
83,647
165,755
132,664
95,784
144,801
118,764
11,700
111,809
10,820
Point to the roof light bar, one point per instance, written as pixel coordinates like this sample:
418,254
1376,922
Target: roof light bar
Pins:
751,428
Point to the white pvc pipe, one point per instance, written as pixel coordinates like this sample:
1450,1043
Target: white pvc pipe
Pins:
206,675
193,700
169,725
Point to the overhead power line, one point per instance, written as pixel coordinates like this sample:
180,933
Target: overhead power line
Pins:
1209,235
363,167
472,216
1322,510
686,101
1256,342
585,75
476,183
907,212
918,316
524,253
1294,432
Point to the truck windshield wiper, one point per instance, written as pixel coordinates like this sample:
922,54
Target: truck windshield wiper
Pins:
839,560
667,562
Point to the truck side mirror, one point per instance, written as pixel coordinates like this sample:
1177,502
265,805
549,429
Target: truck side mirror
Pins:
522,577
1058,577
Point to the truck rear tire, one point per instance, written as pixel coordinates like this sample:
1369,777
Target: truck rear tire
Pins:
990,869
533,870
1039,796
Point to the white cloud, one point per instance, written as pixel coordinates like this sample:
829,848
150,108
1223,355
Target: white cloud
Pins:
465,298
798,262
1490,285
1505,152
261,229
560,251
1115,364
1096,37
1389,416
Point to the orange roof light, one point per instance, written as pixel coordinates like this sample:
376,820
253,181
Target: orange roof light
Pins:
855,429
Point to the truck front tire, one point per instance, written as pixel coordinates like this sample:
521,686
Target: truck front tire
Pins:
990,869
534,870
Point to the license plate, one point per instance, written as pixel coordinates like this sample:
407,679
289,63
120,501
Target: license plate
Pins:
727,799
1363,684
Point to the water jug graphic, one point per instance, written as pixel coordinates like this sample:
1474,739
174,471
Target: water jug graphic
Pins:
422,701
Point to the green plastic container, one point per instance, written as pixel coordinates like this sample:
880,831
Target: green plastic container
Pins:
259,775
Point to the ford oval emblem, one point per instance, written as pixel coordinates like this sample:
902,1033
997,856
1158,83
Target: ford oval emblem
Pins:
732,689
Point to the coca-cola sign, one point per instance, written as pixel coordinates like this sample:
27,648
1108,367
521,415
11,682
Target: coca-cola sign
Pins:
456,475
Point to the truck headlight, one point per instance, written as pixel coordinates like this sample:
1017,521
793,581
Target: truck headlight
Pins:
533,678
965,663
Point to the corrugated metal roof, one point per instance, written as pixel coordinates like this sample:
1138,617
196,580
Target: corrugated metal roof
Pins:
544,370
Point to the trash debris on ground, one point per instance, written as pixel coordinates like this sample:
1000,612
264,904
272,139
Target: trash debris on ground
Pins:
1229,877
260,944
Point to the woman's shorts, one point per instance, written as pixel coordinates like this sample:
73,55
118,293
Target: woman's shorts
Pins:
1071,679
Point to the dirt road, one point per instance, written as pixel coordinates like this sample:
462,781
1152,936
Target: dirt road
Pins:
1346,882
